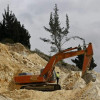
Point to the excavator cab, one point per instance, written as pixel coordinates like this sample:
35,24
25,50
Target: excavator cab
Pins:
53,77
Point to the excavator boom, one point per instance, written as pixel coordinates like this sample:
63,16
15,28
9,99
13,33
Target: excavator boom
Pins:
88,53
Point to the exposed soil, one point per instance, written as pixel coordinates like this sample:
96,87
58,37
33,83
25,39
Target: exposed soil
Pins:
15,59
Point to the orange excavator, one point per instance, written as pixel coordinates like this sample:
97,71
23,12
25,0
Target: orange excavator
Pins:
46,79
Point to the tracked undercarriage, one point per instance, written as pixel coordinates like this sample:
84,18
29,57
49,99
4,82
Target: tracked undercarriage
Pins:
41,87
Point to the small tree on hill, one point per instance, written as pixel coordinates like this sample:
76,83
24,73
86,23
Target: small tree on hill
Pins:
58,33
12,30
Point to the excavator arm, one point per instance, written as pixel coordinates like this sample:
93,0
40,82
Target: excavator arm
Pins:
87,58
88,52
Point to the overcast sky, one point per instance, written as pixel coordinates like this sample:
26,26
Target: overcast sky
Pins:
84,20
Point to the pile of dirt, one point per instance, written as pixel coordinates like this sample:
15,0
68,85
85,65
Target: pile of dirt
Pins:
37,95
73,81
2,97
89,92
13,62
15,59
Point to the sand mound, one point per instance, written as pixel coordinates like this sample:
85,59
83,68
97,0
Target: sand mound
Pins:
2,97
15,59
12,63
37,95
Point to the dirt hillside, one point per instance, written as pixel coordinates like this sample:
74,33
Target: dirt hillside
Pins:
16,58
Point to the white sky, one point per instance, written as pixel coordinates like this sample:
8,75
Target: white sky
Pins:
84,17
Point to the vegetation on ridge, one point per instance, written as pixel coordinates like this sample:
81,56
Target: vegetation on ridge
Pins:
11,30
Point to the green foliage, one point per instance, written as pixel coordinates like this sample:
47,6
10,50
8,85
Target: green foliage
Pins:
6,40
12,30
92,65
79,61
58,33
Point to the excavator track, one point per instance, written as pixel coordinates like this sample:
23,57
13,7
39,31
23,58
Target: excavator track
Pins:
43,87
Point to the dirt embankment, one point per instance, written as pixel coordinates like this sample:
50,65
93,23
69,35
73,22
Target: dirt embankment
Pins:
16,58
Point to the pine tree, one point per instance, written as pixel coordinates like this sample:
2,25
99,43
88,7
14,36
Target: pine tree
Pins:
58,33
12,31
